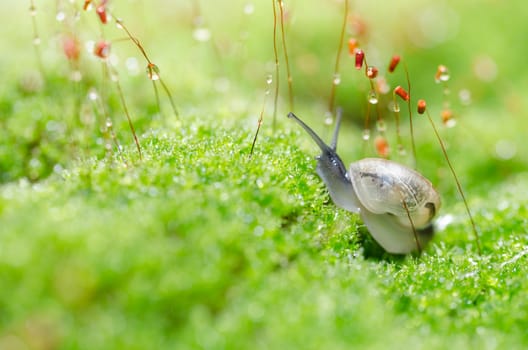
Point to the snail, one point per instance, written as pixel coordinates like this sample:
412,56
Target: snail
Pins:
396,203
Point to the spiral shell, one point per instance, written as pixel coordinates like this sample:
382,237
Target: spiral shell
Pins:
383,186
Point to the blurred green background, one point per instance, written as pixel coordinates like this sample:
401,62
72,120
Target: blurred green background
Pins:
196,246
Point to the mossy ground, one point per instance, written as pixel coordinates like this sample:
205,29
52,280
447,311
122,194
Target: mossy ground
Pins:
198,245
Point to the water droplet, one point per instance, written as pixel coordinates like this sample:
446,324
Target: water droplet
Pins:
201,34
395,107
249,9
113,59
132,66
382,85
32,10
222,84
485,68
443,221
60,16
372,72
366,134
153,72
448,118
465,97
401,150
505,149
380,125
329,118
269,79
373,97
108,123
450,123
337,79
76,75
36,40
92,94
119,24
442,74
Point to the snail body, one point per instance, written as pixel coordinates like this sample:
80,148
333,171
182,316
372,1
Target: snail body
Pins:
396,203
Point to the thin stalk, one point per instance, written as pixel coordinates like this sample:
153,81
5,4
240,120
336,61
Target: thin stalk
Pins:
413,146
418,245
286,59
459,187
151,67
259,124
36,37
127,113
331,100
277,75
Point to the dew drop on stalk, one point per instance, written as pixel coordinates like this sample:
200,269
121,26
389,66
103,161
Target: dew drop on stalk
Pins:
249,8
442,74
395,107
505,149
118,23
401,150
366,134
269,79
92,95
32,10
76,75
337,79
132,65
202,34
372,72
329,118
450,123
465,97
382,85
380,125
448,119
372,97
153,72
60,16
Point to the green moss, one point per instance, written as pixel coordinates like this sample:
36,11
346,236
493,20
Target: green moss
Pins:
198,245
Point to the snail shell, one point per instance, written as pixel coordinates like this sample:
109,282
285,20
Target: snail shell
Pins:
383,186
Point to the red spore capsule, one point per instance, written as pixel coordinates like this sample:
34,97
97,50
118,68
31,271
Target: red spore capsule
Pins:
360,57
382,146
372,72
352,46
71,48
421,106
394,63
398,90
102,49
101,12
87,4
